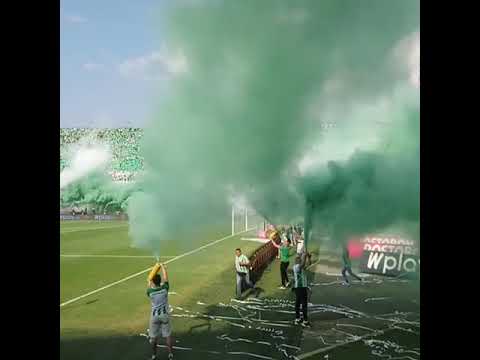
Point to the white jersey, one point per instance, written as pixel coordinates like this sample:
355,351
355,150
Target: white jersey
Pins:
299,277
159,299
300,247
241,259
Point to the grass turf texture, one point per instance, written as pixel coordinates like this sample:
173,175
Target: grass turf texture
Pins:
110,324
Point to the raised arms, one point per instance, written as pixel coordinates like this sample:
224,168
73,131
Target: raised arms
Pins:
156,268
153,272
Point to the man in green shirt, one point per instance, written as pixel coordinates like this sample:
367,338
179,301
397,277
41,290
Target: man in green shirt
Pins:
284,250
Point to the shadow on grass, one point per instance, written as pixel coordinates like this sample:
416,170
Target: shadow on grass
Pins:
211,324
200,341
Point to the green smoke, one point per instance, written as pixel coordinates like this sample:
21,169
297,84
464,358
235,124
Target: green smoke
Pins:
371,190
269,83
97,190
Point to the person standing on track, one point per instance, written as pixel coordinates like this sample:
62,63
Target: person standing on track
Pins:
242,265
160,326
284,251
300,287
347,266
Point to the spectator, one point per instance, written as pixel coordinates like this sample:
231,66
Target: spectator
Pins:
242,265
284,251
300,287
160,326
347,266
290,235
300,245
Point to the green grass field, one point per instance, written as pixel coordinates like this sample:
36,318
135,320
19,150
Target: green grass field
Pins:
207,322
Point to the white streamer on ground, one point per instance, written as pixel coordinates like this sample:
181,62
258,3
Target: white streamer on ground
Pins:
258,318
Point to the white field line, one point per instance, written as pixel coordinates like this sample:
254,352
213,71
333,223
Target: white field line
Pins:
92,229
112,256
146,270
256,240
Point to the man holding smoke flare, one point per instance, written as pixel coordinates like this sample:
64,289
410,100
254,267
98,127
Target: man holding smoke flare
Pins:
157,291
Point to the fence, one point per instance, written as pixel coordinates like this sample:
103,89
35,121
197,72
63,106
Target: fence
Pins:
260,259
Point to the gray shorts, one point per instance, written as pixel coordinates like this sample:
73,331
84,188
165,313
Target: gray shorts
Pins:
159,327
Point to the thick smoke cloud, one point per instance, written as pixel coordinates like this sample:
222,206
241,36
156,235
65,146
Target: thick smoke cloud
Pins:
283,102
99,191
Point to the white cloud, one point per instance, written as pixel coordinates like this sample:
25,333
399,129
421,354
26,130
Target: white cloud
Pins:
76,19
155,65
90,66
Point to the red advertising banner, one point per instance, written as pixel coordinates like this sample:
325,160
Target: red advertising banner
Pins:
383,244
390,244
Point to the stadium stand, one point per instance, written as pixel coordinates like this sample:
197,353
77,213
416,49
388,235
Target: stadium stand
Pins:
124,143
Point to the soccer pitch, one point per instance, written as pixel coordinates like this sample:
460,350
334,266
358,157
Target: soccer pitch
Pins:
377,319
95,254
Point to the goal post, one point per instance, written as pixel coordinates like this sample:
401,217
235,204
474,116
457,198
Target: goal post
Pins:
244,218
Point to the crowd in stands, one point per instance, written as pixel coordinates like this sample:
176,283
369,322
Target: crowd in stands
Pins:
123,142
122,176
81,210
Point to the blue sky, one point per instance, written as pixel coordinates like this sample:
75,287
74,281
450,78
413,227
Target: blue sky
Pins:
112,63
